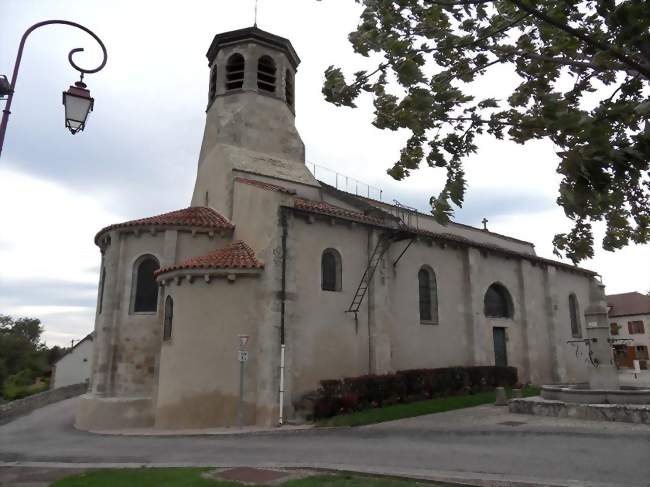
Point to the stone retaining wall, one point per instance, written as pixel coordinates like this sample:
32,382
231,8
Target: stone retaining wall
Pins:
628,413
13,409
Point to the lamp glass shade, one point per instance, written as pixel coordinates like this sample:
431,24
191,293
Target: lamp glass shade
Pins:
78,104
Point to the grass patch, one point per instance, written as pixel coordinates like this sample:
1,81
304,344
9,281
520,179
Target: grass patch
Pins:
191,477
142,477
349,480
400,411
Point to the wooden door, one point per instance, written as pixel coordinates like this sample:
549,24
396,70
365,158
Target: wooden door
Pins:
500,351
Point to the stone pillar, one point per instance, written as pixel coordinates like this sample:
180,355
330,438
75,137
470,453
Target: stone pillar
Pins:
378,314
523,269
105,322
250,68
122,277
558,366
469,292
603,373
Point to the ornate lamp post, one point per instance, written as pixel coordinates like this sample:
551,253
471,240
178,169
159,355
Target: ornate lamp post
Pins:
77,100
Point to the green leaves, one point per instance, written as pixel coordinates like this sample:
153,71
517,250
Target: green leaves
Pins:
583,68
337,91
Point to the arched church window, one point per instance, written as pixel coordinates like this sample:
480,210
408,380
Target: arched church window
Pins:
331,270
428,295
169,316
146,287
574,316
212,92
288,88
266,74
497,302
235,72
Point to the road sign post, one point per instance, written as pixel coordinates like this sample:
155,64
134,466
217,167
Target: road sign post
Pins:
242,356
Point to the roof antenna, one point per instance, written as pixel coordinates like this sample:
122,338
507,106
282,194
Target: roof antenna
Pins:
255,23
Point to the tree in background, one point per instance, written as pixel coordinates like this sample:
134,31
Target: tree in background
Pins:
24,360
584,72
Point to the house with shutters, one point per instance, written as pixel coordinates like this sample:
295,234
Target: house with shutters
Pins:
311,282
629,315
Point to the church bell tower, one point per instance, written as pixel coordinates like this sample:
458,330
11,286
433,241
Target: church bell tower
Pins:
250,117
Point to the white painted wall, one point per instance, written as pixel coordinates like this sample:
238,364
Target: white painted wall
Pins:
74,367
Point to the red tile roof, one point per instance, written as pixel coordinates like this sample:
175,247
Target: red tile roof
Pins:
265,185
327,209
628,304
237,255
194,216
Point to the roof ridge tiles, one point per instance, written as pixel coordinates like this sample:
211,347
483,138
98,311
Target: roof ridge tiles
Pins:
237,255
330,209
192,216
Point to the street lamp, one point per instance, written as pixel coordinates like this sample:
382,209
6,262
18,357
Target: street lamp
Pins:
77,100
78,104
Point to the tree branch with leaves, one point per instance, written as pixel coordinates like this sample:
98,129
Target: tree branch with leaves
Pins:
566,54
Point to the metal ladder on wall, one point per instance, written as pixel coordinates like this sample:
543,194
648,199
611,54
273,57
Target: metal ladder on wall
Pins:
407,218
380,249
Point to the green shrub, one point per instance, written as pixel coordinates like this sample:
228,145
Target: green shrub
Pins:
404,386
22,384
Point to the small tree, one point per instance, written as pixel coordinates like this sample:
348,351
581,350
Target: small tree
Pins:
601,46
22,355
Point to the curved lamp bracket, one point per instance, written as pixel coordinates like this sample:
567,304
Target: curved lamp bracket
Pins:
12,86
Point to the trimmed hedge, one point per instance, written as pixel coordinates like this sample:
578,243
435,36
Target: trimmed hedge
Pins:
369,391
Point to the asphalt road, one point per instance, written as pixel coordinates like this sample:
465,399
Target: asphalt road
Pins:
470,445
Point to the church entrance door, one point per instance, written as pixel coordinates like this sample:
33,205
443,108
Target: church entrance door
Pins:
500,352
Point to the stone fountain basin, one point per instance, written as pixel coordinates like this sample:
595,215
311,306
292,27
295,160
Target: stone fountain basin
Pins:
581,393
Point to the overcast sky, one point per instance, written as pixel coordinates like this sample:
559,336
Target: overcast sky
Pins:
139,152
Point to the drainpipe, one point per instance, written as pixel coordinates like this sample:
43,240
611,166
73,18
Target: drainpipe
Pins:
283,223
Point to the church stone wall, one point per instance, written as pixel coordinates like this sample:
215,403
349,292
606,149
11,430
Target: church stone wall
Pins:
258,219
417,345
326,341
538,363
199,370
574,367
190,246
490,269
136,340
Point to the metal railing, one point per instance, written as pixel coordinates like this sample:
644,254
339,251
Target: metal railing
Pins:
345,183
407,215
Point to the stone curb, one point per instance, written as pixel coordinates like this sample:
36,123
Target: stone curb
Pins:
624,413
152,432
455,479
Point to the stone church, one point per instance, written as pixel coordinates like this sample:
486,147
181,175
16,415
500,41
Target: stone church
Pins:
324,283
